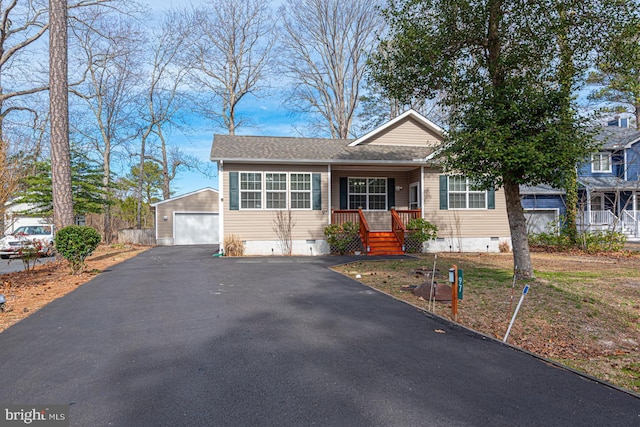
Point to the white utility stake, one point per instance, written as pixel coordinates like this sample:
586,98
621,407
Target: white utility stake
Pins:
433,278
515,313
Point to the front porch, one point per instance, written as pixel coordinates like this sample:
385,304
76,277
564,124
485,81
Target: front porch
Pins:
617,210
627,222
389,237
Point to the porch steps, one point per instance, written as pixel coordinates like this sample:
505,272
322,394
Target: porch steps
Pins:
384,243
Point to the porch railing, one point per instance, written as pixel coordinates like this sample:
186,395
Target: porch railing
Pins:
602,218
407,215
342,216
357,217
398,228
629,222
364,230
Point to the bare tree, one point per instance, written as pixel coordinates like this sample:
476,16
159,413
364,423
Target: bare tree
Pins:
107,46
325,48
232,54
164,99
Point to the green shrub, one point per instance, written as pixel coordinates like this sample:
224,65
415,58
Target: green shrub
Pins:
419,230
343,238
75,243
603,241
591,242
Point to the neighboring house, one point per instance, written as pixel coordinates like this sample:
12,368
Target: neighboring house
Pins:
14,217
608,186
391,172
189,219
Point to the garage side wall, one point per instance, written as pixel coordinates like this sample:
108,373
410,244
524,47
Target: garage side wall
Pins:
203,201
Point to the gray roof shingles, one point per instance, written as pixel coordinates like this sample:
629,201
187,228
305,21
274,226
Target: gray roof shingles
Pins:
322,150
616,138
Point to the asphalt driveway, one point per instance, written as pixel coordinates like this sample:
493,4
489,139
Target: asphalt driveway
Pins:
176,337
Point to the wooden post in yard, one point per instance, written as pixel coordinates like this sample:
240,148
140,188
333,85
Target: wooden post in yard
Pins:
454,293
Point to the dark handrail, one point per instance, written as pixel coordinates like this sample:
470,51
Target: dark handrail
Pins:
398,227
364,230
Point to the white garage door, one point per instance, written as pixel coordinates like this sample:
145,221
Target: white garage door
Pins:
539,221
196,229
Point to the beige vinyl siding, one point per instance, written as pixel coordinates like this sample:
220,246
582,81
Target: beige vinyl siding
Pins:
257,225
203,201
408,132
414,176
463,222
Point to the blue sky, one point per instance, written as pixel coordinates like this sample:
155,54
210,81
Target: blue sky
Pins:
267,116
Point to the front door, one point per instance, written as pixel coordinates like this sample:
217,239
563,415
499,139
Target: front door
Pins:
414,196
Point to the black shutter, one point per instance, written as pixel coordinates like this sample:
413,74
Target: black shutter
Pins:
234,191
316,190
444,192
391,193
344,186
491,199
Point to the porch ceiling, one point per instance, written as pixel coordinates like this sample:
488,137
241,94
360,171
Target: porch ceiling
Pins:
373,167
608,184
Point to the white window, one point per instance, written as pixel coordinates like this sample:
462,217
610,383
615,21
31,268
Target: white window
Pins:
251,190
275,185
368,193
464,195
601,162
300,190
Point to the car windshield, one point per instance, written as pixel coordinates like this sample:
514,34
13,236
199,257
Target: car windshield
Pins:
34,230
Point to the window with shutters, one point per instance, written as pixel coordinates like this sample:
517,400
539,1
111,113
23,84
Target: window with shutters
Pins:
300,190
464,195
368,193
251,190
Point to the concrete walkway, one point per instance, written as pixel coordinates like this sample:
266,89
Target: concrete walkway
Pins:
175,337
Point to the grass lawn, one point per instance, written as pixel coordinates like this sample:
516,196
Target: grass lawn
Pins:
581,310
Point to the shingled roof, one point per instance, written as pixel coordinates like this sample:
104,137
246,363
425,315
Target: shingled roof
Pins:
311,150
616,138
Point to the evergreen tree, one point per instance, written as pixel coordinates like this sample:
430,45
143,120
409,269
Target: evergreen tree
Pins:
86,185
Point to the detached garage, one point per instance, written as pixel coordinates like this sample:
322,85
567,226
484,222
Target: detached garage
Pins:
190,219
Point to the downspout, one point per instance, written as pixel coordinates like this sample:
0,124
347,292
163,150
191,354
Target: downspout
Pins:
221,205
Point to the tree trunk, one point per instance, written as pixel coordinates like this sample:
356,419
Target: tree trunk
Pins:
571,224
59,109
518,229
106,183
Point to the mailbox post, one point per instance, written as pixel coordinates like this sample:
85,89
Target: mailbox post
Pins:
456,279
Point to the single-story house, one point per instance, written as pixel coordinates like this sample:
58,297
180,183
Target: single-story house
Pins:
380,181
189,219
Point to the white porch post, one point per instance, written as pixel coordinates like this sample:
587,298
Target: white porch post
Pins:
220,204
329,195
588,219
421,190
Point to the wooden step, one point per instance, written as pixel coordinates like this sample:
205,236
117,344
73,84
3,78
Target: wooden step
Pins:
384,243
